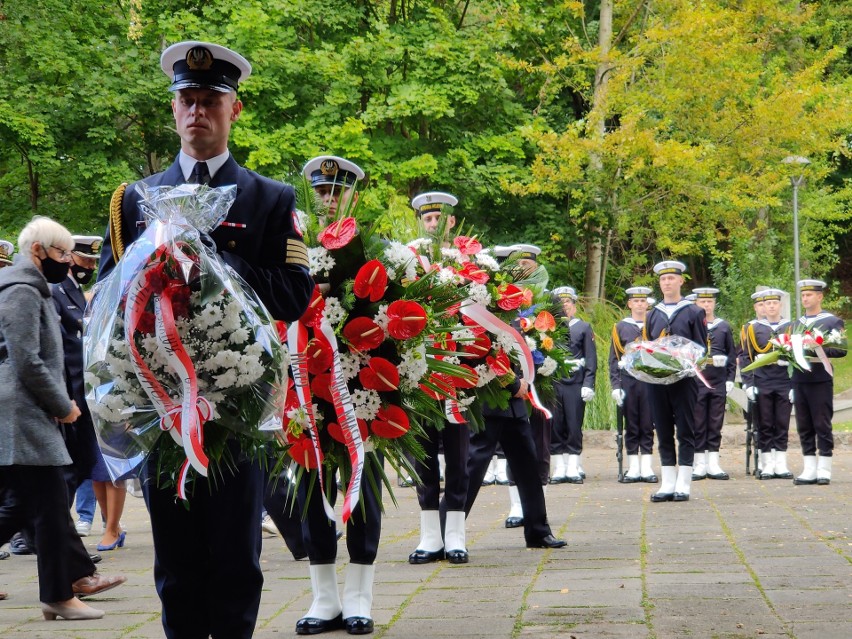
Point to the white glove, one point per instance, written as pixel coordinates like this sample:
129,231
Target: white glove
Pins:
729,386
791,395
587,393
720,361
751,393
618,395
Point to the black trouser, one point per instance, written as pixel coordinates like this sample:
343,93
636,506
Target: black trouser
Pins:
570,409
280,504
207,552
542,431
37,495
363,529
709,418
773,412
673,407
516,438
638,425
814,410
456,444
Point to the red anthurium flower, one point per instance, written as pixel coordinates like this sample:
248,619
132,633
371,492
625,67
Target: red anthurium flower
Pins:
474,273
500,363
319,356
363,333
480,347
281,327
302,451
407,319
527,297
391,422
321,387
371,281
379,375
444,384
445,343
475,328
452,310
466,382
338,234
313,314
336,431
467,245
544,322
291,400
510,297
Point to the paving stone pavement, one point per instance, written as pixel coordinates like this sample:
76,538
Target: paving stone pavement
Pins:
743,558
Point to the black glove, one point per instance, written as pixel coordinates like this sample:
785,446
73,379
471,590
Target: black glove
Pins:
207,241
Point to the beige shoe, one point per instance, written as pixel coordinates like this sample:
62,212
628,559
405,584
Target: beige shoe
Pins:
69,611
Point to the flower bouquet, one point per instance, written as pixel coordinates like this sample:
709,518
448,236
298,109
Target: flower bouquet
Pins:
801,347
368,356
665,360
177,343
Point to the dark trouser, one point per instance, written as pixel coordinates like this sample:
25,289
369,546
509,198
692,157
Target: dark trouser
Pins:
37,495
773,412
638,425
542,434
207,552
568,419
456,441
363,529
709,417
280,504
673,407
516,438
814,410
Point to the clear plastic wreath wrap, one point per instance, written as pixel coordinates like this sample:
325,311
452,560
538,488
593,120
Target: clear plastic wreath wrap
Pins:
177,344
665,360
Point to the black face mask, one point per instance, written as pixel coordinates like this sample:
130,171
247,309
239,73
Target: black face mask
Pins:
82,275
54,272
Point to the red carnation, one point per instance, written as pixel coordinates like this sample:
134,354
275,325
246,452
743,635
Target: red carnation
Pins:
407,319
379,375
391,422
467,245
371,281
472,272
313,314
510,297
319,356
338,234
363,334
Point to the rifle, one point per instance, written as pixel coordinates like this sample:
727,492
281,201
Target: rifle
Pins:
749,417
756,435
619,440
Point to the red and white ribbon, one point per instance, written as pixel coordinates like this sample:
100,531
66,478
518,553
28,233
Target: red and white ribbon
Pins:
485,318
453,412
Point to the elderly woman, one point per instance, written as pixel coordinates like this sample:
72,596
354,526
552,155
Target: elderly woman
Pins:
32,451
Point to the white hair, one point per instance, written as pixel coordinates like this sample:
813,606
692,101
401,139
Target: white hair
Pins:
46,232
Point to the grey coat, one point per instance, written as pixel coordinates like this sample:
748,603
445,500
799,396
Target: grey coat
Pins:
32,373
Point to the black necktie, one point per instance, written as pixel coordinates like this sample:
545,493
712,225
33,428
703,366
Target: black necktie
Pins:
200,174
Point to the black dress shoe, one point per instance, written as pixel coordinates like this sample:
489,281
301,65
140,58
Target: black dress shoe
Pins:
485,482
796,482
425,556
457,556
548,541
723,476
658,497
680,497
95,557
559,480
501,482
314,626
514,522
4,555
787,475
578,479
698,477
765,476
358,625
627,479
823,481
650,479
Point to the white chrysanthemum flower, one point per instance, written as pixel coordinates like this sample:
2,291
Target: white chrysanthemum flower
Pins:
413,367
504,341
420,243
447,276
467,401
452,360
486,261
453,254
367,403
547,367
530,342
301,221
479,294
320,260
350,364
239,336
381,317
226,379
334,311
484,375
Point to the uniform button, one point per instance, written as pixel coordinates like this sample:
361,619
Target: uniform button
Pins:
231,244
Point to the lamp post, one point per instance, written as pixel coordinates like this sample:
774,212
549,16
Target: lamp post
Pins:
796,182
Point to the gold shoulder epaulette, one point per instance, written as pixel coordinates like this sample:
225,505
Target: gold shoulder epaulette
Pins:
116,240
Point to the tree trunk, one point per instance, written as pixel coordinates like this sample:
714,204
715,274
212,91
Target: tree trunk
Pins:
597,117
